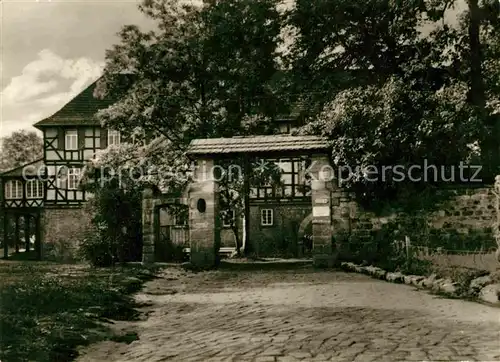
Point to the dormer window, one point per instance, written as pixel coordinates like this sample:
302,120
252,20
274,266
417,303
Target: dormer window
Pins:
14,190
113,137
71,140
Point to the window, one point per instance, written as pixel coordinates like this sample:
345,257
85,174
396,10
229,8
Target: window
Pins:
62,177
71,140
266,217
293,177
227,218
180,220
34,189
73,178
13,189
284,128
113,137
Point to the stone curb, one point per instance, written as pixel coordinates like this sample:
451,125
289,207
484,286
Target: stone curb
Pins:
483,288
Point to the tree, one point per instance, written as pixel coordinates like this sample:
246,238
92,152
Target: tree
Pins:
479,19
379,132
201,75
116,178
207,72
408,97
341,44
20,148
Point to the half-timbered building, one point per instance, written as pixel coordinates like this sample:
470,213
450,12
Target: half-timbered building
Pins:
21,200
48,189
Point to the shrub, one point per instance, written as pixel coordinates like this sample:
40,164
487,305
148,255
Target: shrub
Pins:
115,235
96,249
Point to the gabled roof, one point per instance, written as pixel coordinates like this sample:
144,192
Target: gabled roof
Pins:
81,110
30,169
274,143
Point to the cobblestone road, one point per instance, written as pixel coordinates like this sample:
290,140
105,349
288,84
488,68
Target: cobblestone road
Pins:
290,316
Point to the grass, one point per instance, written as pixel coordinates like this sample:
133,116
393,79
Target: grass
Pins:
49,310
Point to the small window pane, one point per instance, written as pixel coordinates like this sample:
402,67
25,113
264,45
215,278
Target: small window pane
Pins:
71,139
266,216
89,143
89,132
286,166
13,189
113,137
287,179
34,189
73,178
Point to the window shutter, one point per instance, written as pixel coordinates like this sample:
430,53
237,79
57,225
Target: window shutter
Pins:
61,138
104,138
81,138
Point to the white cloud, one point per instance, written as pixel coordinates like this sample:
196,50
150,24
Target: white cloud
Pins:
31,84
44,86
7,127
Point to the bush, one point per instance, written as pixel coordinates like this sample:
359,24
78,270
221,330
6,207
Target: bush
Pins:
116,234
97,250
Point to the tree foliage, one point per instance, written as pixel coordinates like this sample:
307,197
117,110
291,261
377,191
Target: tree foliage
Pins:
415,96
204,73
208,71
365,75
20,148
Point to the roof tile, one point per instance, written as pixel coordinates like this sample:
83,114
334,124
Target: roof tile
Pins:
256,144
81,110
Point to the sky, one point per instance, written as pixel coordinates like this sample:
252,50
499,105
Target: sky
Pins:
50,50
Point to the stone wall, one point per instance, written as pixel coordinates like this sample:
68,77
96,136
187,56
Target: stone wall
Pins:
61,230
461,222
280,238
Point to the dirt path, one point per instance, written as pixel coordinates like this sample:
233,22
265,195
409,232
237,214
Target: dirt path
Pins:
301,315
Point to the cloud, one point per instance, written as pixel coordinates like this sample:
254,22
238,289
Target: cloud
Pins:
7,127
44,74
44,86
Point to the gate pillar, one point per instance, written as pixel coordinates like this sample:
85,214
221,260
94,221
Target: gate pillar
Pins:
204,220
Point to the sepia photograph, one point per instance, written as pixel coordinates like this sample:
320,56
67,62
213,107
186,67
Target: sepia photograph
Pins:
249,180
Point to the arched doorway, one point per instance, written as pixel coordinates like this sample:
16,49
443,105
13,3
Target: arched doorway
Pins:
305,236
